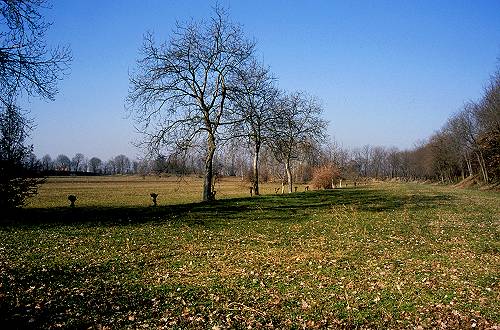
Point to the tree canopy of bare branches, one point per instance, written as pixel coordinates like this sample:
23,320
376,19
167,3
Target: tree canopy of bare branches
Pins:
26,62
180,88
299,123
255,101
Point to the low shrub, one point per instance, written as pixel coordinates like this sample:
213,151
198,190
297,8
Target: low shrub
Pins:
325,177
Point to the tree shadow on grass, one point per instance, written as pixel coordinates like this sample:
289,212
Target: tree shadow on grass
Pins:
65,303
277,207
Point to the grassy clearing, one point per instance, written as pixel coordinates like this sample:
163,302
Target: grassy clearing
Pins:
134,191
387,255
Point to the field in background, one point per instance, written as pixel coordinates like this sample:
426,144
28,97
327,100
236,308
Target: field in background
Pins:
380,256
129,191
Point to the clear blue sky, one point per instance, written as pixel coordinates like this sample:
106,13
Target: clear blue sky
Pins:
388,72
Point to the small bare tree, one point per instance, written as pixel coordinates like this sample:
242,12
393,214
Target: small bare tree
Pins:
180,89
95,165
77,162
122,163
255,101
47,163
298,124
62,163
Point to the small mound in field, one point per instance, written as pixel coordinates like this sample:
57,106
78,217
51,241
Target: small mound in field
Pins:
475,181
470,181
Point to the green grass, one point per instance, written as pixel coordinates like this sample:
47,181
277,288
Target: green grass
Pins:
383,256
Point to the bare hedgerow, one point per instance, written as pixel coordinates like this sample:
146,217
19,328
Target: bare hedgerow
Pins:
325,177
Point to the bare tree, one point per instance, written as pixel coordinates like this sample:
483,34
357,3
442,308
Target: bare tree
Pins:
110,167
47,163
255,101
466,127
378,157
362,157
63,163
488,111
366,154
310,157
232,157
443,160
122,164
95,165
135,167
333,153
180,89
26,62
298,124
77,162
488,116
144,167
393,162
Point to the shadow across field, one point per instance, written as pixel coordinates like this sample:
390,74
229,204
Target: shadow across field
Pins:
276,207
78,307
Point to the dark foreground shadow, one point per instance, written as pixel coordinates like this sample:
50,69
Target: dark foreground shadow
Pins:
278,207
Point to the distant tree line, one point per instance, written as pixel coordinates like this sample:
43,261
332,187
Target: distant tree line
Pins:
79,164
466,147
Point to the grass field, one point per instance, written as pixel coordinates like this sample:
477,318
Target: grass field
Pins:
377,256
130,191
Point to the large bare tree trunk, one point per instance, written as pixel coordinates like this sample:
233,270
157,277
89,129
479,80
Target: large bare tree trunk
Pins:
256,169
208,193
289,176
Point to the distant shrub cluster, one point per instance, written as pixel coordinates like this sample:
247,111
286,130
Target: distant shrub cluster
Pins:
325,177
